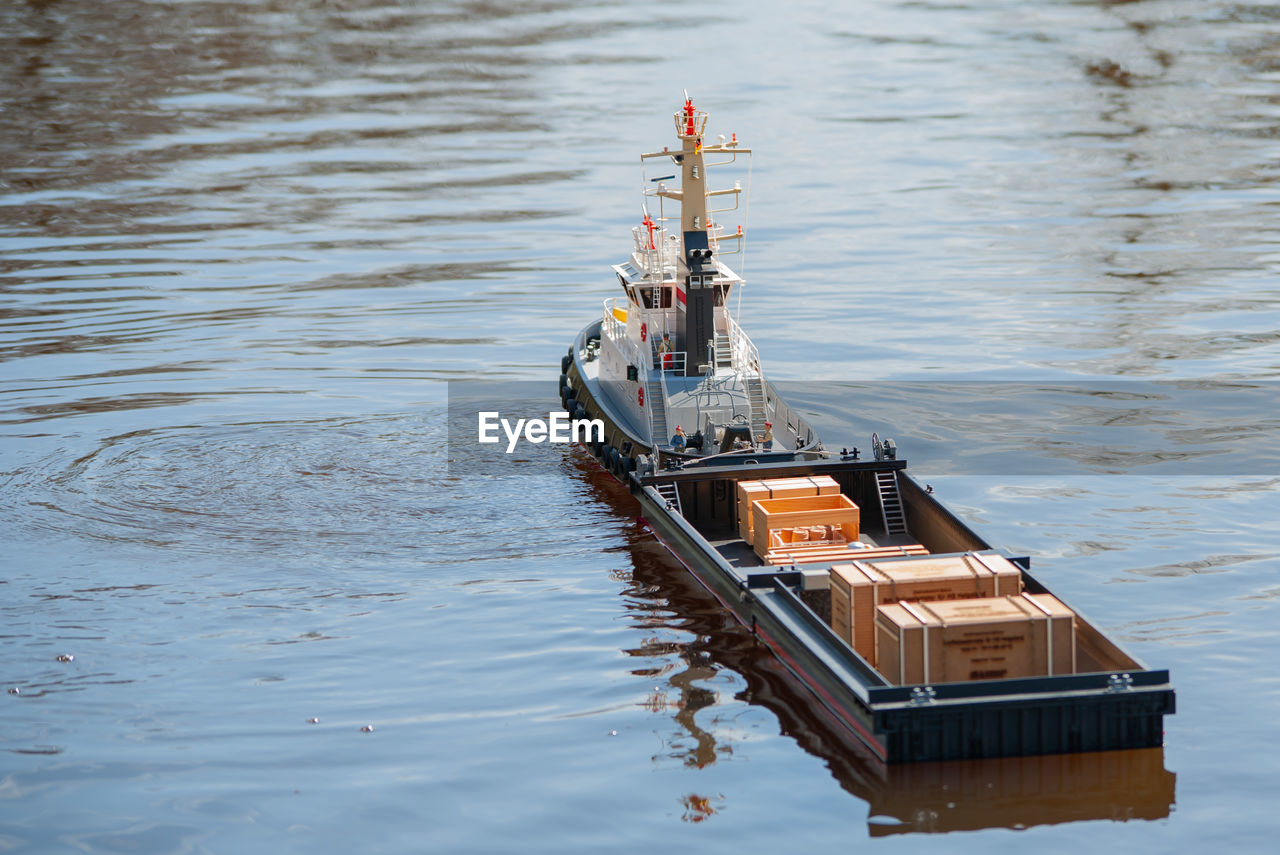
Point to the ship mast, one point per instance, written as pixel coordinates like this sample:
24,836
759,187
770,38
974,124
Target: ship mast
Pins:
704,279
697,268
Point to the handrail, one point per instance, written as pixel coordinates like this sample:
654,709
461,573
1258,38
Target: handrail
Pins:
655,257
694,120
739,341
671,361
617,332
715,234
666,396
676,364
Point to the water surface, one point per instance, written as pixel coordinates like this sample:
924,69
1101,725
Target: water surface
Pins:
244,246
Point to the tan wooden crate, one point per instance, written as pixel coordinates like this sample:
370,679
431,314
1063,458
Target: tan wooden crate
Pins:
857,588
769,515
1061,623
987,638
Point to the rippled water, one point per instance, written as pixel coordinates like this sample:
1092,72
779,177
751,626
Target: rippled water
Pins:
244,245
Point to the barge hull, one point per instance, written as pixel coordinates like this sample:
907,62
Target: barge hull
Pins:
1108,709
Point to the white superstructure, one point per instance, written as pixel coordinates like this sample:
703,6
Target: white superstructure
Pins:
671,353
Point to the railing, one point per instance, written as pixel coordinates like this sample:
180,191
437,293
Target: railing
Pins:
673,362
660,255
688,125
745,354
715,234
666,396
617,332
668,362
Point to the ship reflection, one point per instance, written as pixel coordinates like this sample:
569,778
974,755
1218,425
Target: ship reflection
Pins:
1012,792
1019,792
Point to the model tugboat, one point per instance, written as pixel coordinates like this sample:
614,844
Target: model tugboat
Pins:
667,368
922,640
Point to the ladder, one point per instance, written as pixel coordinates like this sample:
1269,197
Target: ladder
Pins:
723,352
891,511
657,412
671,495
755,397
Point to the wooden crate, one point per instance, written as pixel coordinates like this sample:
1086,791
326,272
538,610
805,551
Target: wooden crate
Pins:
789,488
987,638
748,492
768,515
857,588
778,488
826,485
826,554
845,553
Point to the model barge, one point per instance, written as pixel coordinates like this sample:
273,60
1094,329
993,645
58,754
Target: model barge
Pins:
914,633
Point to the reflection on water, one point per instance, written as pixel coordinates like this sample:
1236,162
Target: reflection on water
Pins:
1021,792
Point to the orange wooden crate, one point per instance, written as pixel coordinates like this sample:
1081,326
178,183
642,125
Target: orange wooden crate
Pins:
768,515
988,638
748,492
826,485
778,488
857,588
828,554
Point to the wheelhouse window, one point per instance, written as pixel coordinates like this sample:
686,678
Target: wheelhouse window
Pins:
650,296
